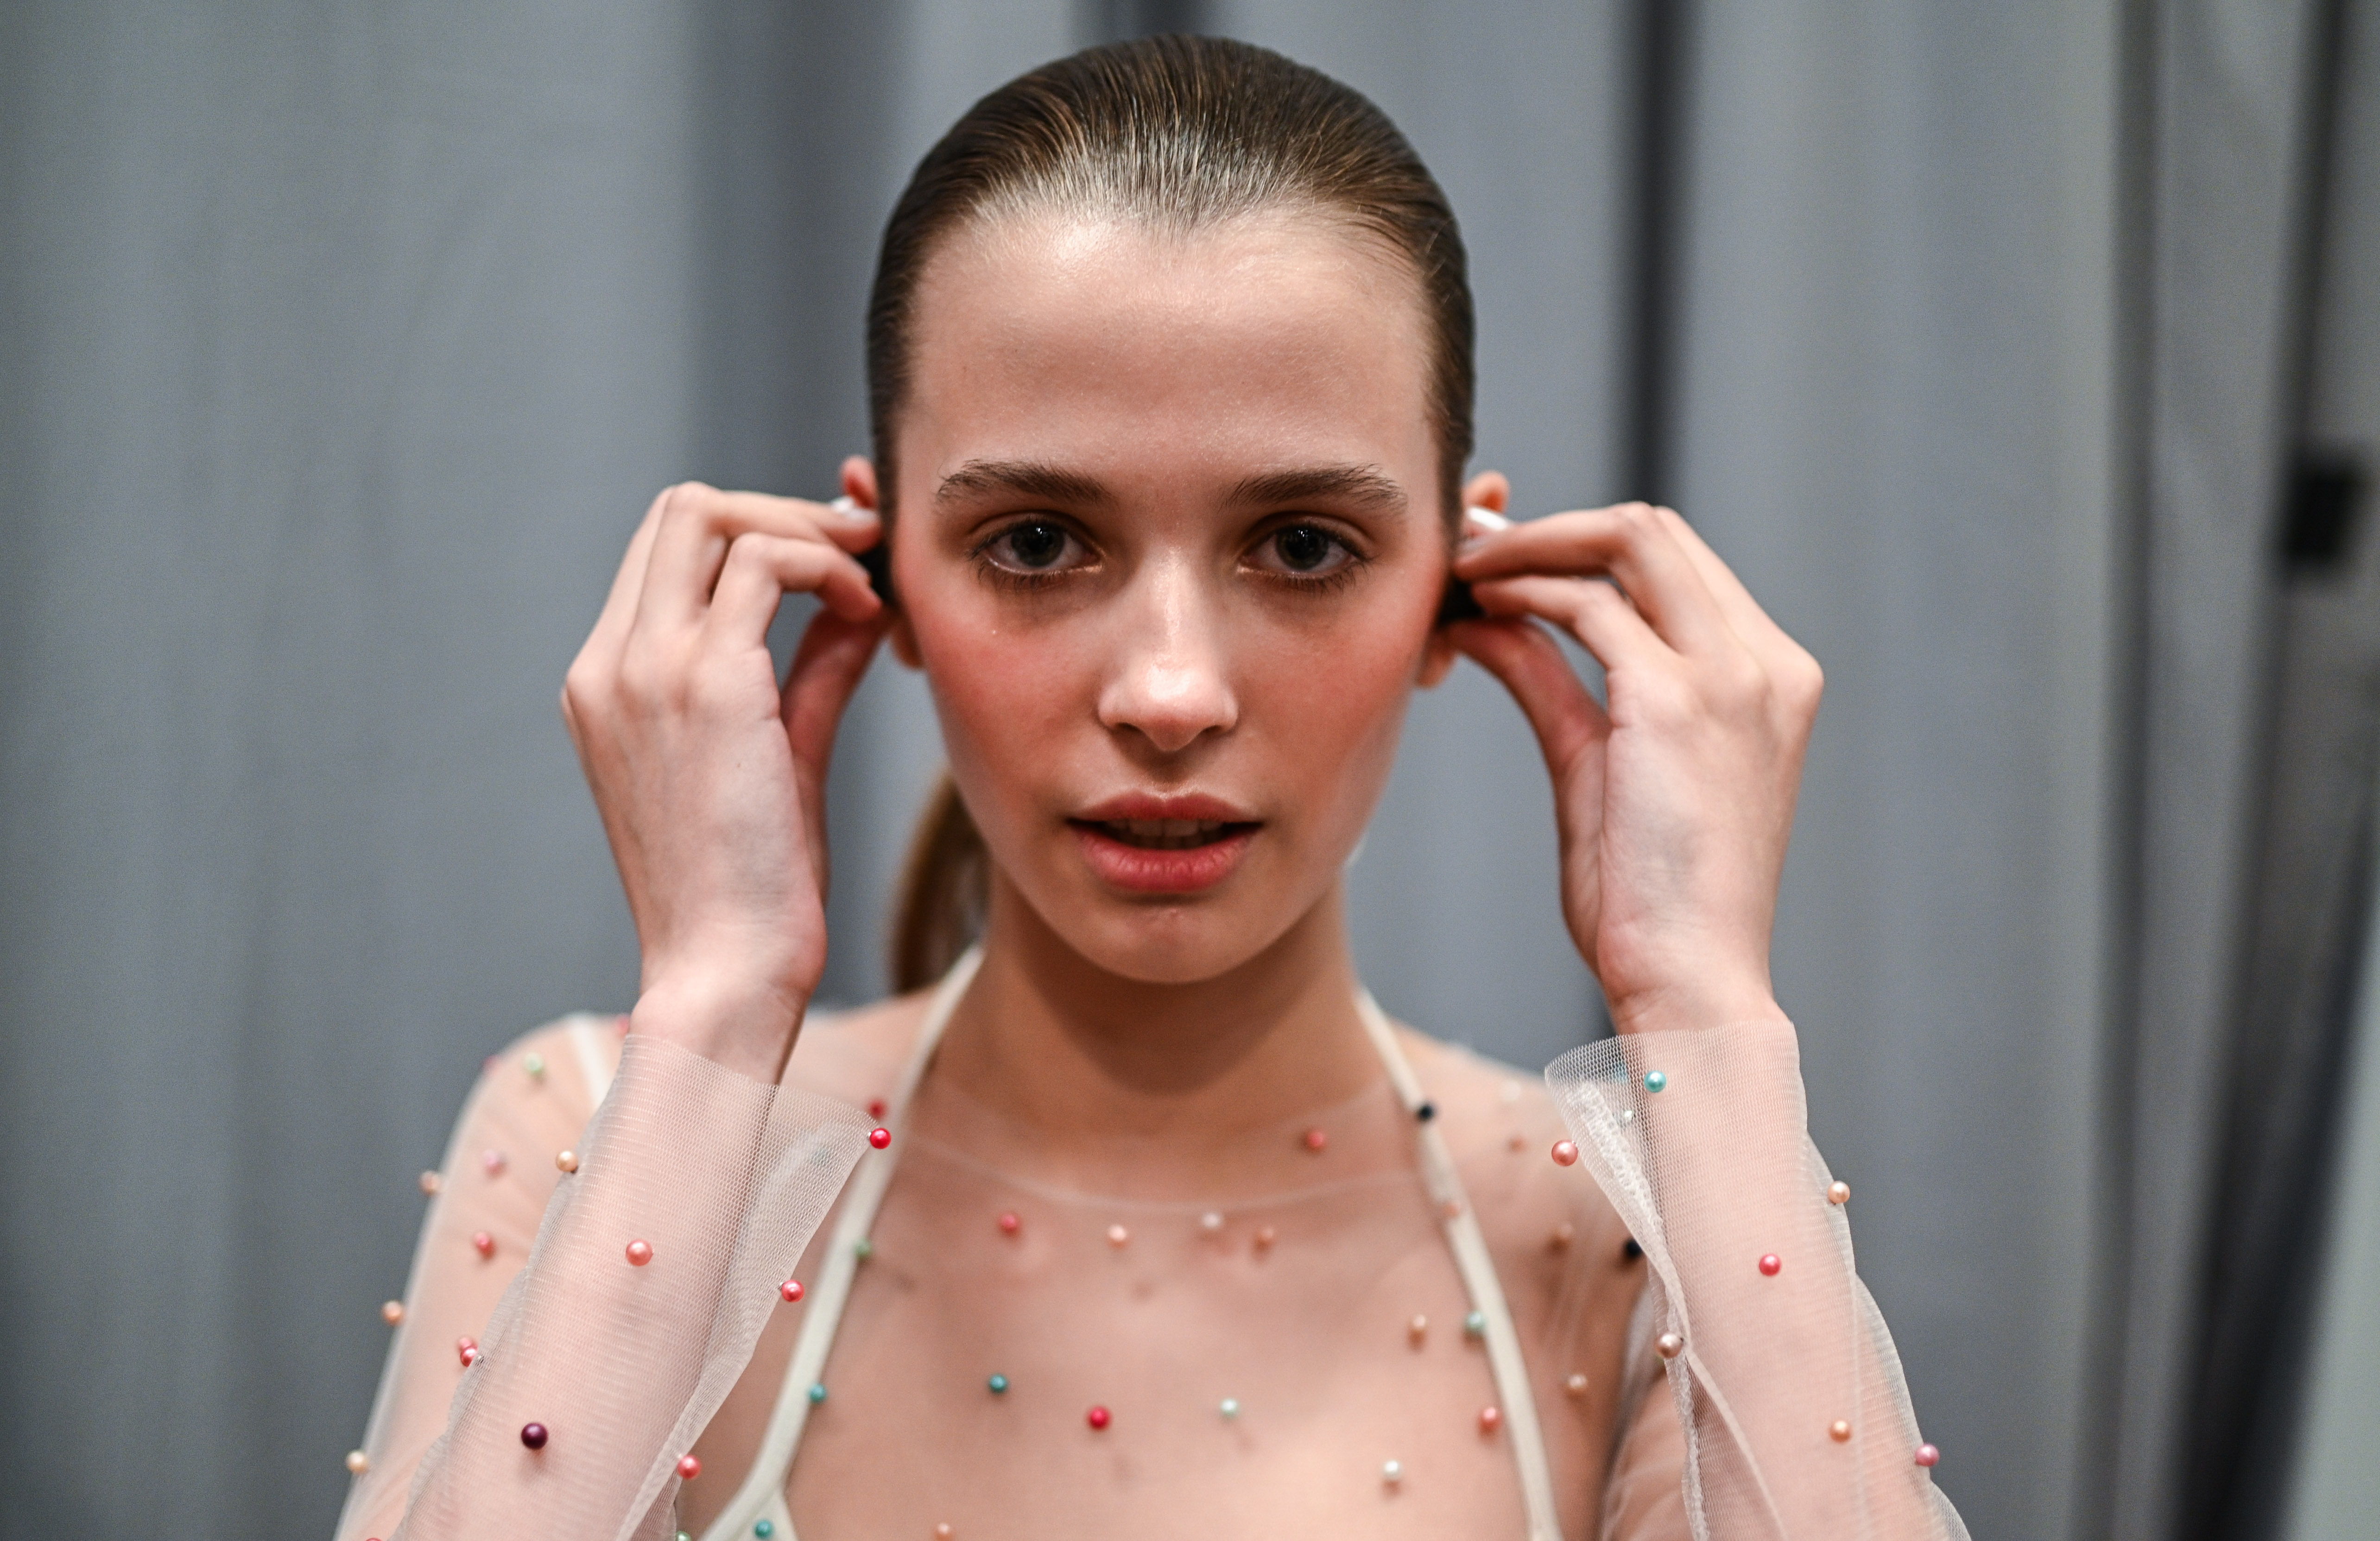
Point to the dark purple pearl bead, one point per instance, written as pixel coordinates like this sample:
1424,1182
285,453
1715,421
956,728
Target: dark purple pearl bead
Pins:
533,1436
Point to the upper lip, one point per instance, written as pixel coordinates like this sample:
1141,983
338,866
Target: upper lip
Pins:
1134,807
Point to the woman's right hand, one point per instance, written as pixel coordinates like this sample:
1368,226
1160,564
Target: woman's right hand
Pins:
710,777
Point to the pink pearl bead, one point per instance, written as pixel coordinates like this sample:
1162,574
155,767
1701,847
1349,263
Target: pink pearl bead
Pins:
879,1138
1490,1419
533,1436
791,1288
640,1254
1118,1235
1317,1140
1098,1417
1770,1264
1669,1345
1928,1455
1565,1154
1009,1222
492,1163
483,1244
689,1467
464,1348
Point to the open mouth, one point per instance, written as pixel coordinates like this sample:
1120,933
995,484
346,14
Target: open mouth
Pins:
1165,835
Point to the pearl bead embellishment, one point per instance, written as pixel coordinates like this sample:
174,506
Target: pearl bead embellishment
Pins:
1416,1330
764,1528
863,1249
566,1160
533,1436
1392,1472
1229,1407
1475,1324
1669,1345
640,1254
466,1351
1772,1265
1211,1222
1098,1417
1565,1153
1840,1431
1928,1455
1009,1222
998,1385
535,1065
876,1107
943,1532
1563,1235
393,1312
483,1244
790,1291
1839,1192
818,1393
359,1463
689,1467
880,1137
1265,1235
1118,1235
1317,1140
1655,1080
492,1163
1490,1419
1577,1384
430,1183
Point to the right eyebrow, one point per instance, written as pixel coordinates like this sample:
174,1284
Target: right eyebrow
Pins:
1030,478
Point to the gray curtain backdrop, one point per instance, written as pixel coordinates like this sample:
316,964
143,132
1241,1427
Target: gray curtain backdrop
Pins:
341,345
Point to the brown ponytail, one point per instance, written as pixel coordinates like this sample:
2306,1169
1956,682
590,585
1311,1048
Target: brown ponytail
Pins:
1177,133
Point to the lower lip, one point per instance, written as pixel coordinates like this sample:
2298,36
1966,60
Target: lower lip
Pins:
1139,869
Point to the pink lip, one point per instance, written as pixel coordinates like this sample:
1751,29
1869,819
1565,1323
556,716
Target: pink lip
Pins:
1137,869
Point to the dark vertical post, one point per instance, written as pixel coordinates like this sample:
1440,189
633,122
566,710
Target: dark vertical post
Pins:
1660,39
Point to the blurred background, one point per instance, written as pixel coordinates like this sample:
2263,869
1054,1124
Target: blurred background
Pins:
2025,358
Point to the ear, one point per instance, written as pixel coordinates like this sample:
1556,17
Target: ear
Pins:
1488,490
859,485
1438,656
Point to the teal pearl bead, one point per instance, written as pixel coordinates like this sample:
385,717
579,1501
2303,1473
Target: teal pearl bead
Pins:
863,1249
764,1528
1475,1324
999,1385
818,1393
1655,1080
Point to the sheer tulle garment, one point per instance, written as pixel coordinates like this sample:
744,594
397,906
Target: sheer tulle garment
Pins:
1254,1344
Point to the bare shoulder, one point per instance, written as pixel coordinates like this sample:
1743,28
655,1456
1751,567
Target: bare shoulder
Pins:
856,1054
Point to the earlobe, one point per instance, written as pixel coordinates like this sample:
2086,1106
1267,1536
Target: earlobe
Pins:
904,639
1438,656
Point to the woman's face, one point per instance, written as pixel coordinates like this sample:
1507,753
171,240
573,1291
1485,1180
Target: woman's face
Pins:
1169,549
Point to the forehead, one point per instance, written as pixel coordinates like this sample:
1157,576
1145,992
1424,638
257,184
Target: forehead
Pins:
1278,337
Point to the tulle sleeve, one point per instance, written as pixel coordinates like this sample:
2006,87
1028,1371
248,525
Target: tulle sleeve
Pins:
621,1362
1788,1392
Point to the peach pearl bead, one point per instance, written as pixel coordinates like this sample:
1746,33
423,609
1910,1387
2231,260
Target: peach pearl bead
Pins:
430,1183
1418,1330
1840,1431
1317,1140
566,1160
359,1463
1565,1153
1490,1419
393,1312
1839,1192
639,1253
483,1244
1669,1345
1577,1384
1118,1235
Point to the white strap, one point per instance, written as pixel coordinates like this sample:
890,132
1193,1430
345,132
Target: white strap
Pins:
1478,1272
763,1493
762,1497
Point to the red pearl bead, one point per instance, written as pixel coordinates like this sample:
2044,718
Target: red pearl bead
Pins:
1770,1264
689,1467
1490,1419
791,1288
483,1244
466,1351
1565,1154
1009,1222
533,1436
1928,1455
879,1138
639,1253
1098,1417
876,1107
1315,1140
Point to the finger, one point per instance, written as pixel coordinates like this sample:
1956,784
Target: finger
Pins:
699,524
1628,543
1735,602
1597,614
620,605
828,666
1567,720
761,570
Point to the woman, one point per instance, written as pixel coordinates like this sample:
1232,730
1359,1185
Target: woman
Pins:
1157,1227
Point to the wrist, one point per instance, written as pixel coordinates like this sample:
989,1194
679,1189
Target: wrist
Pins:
1688,1005
746,1025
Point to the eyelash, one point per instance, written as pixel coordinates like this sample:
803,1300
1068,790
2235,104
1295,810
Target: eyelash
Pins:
1019,579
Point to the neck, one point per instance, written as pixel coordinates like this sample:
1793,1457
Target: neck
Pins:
1081,1055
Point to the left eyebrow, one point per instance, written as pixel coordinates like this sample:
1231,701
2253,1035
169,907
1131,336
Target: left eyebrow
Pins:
1365,486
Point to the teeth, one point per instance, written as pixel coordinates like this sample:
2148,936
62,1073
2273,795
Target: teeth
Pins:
1166,834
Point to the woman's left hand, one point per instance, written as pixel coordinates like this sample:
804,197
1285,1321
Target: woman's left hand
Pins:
1675,804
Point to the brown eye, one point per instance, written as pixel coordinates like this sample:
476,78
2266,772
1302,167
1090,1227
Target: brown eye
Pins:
1303,548
1034,546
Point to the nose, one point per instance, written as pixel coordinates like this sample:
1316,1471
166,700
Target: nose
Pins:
1169,682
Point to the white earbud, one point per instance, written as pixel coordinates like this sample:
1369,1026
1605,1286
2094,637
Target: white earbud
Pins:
1485,518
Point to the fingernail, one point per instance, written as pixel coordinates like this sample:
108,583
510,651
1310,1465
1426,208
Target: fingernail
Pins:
846,504
1485,518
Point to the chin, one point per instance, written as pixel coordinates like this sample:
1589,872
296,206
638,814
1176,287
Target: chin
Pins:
1169,943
